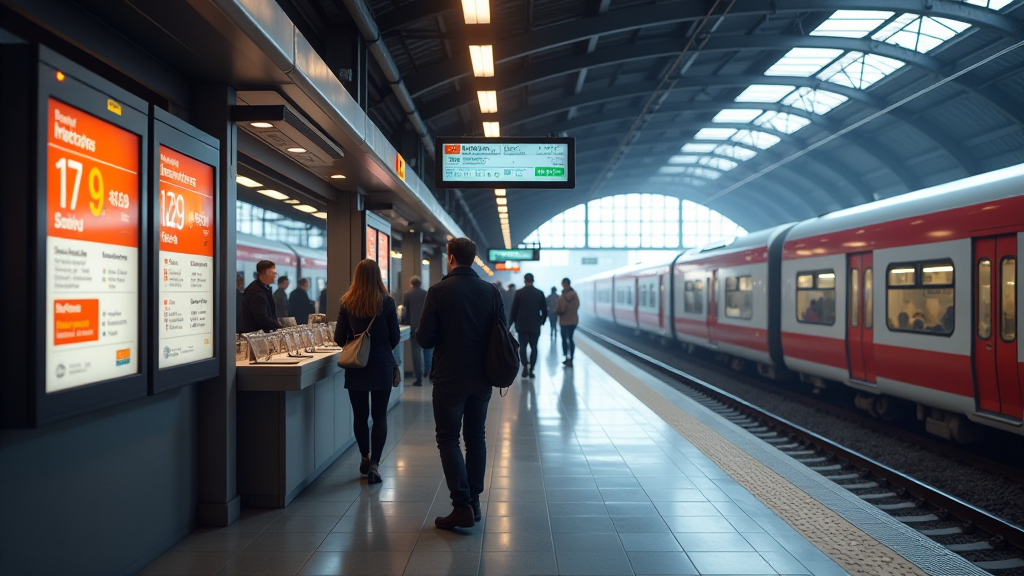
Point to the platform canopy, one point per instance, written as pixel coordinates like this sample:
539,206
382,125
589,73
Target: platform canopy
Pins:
700,99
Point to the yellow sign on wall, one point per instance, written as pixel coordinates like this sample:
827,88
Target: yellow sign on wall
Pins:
400,166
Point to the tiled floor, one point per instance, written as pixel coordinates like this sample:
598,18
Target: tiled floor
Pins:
583,479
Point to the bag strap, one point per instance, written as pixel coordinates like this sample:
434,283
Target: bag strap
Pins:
370,325
496,302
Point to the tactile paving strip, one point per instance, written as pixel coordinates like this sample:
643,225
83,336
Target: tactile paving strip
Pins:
860,538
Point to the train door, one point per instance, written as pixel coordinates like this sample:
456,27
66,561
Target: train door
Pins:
860,317
712,306
995,325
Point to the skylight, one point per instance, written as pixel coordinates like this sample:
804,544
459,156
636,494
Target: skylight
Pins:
919,33
698,147
756,139
993,4
764,93
717,163
684,159
803,62
851,23
714,134
736,152
736,116
782,122
816,101
697,171
858,70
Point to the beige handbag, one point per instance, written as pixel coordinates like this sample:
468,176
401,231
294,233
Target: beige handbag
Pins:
356,352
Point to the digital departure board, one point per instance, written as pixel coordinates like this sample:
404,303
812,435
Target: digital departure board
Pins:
505,163
92,248
186,277
513,254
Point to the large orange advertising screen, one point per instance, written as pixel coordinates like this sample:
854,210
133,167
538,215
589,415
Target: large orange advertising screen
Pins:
92,248
186,227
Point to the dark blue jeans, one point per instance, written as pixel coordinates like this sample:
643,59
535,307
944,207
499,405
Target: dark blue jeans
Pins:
528,339
568,344
468,412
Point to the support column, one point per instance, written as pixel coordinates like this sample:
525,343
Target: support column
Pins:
438,266
344,246
219,503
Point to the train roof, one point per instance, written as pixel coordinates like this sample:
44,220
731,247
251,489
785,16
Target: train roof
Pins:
752,241
997,185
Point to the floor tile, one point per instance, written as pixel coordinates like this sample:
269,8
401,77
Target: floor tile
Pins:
517,542
537,563
744,524
286,542
303,524
650,542
577,509
624,495
369,542
661,563
785,563
582,525
520,524
442,564
434,540
617,482
593,563
639,524
264,563
178,562
516,509
317,508
380,523
586,542
687,508
355,564
698,524
763,542
714,542
215,540
675,495
731,563
573,495
631,509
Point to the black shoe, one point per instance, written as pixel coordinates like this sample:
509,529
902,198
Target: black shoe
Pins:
417,382
526,372
461,517
373,475
531,374
364,465
568,363
477,514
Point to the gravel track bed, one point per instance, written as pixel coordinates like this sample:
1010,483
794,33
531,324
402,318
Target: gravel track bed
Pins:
996,494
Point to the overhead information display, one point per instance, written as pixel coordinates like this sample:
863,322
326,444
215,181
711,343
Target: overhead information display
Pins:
506,163
186,318
92,249
512,254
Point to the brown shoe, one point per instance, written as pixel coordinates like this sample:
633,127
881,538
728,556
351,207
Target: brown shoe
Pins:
461,517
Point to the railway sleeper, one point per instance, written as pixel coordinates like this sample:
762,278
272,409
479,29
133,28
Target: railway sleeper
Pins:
897,506
1008,564
969,547
814,460
919,519
795,453
841,477
878,496
777,440
947,531
826,468
860,486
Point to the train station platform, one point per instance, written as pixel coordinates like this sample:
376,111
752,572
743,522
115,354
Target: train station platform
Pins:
600,469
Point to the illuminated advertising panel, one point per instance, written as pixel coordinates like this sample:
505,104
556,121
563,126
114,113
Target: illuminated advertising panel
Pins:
384,258
186,259
505,163
371,243
92,249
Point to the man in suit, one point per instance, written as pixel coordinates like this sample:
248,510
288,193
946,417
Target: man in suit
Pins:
258,310
529,311
458,316
412,309
299,303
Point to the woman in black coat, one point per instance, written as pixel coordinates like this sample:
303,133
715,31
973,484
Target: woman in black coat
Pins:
369,388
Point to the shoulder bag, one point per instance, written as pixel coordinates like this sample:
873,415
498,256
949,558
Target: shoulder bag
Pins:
356,352
502,350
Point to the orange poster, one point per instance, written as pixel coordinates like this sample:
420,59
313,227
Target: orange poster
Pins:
384,254
76,321
92,189
371,243
186,204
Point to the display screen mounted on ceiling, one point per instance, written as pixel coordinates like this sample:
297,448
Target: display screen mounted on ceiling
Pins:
473,162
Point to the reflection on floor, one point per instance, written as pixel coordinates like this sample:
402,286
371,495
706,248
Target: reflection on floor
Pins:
583,479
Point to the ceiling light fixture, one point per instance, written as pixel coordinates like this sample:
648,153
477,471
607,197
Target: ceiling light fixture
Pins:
476,11
247,182
482,58
502,209
320,215
292,201
261,125
488,101
305,208
499,191
338,176
273,194
501,201
297,150
492,129
425,262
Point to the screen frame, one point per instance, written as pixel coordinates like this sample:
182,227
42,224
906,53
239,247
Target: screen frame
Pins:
440,183
90,93
185,139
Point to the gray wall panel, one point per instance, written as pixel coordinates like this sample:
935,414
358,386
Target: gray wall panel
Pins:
323,433
298,437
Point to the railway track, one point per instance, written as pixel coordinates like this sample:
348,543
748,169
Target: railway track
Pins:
988,541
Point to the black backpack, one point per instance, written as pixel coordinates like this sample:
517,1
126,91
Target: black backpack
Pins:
502,350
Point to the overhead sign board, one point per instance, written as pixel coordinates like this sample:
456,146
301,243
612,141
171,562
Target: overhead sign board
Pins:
513,254
507,266
505,163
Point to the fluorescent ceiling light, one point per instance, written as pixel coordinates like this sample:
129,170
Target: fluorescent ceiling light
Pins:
764,93
247,182
292,202
261,125
273,194
425,262
499,191
320,215
803,62
502,209
736,116
698,147
501,201
305,208
482,58
934,269
492,129
338,176
297,150
476,11
488,101
714,134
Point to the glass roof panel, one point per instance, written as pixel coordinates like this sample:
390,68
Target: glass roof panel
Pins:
858,70
737,116
756,139
851,23
919,33
698,147
782,122
764,93
684,159
714,134
736,152
717,163
993,4
803,62
812,100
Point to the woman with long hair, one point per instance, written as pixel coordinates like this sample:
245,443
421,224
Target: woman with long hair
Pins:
369,388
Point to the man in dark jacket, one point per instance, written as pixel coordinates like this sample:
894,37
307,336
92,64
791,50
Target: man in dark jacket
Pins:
458,315
258,310
323,299
299,303
281,297
239,300
552,300
529,311
412,310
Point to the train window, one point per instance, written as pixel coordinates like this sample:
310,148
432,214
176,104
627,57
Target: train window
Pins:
1008,290
920,298
984,299
816,297
643,296
693,297
869,302
854,297
739,297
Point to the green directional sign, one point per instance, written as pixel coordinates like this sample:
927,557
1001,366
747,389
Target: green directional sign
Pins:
513,254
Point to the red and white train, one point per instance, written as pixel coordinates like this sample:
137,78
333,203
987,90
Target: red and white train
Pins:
292,261
911,298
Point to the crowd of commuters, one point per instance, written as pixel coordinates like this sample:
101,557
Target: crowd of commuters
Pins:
452,324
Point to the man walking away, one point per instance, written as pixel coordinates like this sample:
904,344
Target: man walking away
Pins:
552,302
299,302
322,300
457,319
281,297
568,317
510,295
412,309
529,311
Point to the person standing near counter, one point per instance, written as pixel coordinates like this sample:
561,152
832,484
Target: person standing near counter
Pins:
299,303
258,309
368,307
412,307
281,297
